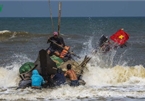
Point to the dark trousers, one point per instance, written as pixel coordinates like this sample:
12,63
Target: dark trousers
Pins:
74,83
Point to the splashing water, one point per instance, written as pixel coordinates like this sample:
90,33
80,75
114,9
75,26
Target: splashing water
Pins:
101,71
9,75
103,81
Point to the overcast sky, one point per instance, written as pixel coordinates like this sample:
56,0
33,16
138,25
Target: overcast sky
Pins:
72,8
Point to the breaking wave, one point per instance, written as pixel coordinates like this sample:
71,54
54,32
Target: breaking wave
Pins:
116,75
100,82
95,74
6,34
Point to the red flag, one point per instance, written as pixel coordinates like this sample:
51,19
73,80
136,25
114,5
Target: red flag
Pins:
120,37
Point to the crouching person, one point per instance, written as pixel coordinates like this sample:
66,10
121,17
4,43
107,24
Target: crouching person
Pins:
59,77
37,80
72,76
25,82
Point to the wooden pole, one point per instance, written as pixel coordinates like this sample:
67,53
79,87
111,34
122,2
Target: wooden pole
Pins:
51,16
65,49
59,17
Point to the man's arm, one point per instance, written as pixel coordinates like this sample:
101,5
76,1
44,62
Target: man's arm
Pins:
62,41
49,39
65,73
42,80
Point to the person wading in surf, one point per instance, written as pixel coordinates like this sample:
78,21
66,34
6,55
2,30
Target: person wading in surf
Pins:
26,82
59,77
53,48
37,80
72,76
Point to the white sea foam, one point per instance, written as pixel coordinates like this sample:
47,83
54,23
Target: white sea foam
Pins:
4,31
8,78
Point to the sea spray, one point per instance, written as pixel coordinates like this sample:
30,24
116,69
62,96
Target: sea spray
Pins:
9,73
113,76
9,78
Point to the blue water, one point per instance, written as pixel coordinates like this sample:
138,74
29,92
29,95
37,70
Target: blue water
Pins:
78,25
76,32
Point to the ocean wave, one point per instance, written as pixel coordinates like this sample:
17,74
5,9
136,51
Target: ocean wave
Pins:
4,31
130,79
115,81
117,75
6,34
93,76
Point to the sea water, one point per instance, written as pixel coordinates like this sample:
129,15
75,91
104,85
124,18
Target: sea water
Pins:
118,75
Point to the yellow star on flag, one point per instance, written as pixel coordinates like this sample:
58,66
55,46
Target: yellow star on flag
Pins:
121,37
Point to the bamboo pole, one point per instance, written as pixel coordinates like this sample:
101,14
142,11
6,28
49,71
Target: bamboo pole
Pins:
50,10
59,17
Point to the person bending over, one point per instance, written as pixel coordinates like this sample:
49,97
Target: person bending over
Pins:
59,77
25,82
72,76
37,79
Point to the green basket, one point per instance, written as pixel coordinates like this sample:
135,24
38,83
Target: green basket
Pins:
57,60
26,67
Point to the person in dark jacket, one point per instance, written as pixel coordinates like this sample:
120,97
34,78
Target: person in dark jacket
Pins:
59,77
37,79
53,48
